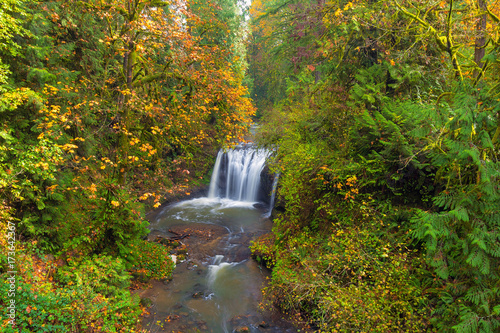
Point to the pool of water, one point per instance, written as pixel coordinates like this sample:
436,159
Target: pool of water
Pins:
218,287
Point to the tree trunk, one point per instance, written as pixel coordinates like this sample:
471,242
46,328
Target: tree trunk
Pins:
479,51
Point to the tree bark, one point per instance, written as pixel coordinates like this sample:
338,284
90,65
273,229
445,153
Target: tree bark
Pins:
479,50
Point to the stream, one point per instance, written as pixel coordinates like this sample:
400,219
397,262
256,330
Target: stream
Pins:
217,287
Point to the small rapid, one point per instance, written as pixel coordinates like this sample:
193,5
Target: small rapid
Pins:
217,288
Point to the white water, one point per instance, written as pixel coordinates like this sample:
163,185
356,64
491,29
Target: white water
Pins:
218,289
216,203
273,195
241,169
215,176
218,271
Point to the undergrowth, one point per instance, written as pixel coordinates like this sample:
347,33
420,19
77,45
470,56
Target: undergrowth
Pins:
389,220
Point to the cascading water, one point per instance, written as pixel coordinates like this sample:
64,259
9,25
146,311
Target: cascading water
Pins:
273,195
237,174
218,287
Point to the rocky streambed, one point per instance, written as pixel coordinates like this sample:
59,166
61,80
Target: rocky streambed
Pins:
216,286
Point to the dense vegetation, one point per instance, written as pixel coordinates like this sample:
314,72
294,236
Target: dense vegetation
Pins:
106,107
385,115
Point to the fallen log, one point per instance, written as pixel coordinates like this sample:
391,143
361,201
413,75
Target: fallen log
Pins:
176,237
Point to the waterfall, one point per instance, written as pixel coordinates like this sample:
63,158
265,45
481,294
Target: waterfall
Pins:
212,191
273,195
237,173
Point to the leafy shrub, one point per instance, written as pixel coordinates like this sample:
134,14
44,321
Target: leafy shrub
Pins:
152,260
104,274
72,309
115,220
351,280
387,147
84,303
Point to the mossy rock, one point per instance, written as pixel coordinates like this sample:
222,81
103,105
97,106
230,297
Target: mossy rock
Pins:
146,302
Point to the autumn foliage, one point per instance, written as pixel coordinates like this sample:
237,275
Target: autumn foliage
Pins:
106,108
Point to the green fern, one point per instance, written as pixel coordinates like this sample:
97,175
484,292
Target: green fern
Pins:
462,234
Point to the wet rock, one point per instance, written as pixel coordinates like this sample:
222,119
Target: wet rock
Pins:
266,186
154,235
172,317
202,325
198,291
146,302
191,265
242,254
261,206
197,295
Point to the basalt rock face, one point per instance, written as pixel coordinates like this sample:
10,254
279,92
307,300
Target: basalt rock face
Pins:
266,185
